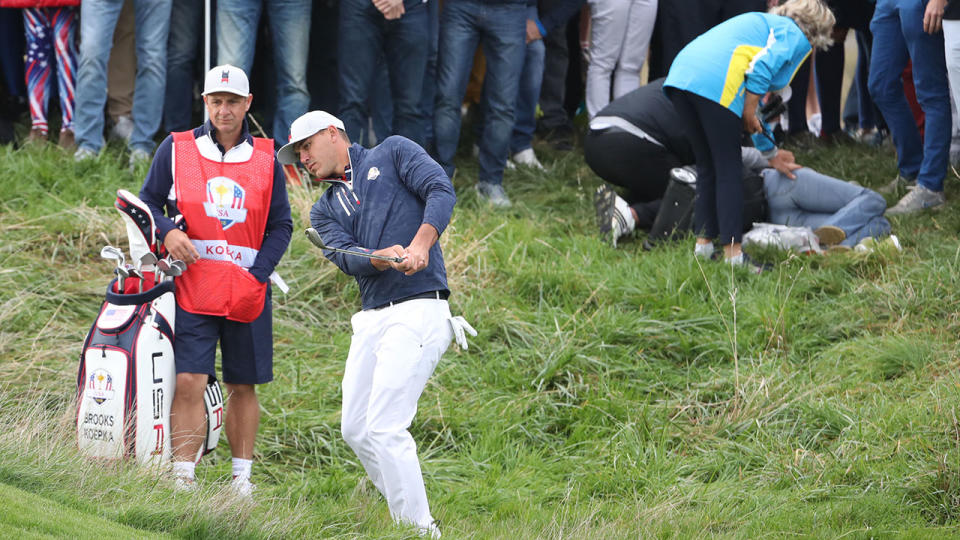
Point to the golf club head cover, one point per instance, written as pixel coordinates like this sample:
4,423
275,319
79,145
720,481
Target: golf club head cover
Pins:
139,222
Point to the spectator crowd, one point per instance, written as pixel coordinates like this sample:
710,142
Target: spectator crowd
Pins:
132,69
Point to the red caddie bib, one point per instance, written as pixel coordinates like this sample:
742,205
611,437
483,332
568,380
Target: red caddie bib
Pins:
225,206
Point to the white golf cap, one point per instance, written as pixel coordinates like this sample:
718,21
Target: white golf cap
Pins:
304,127
226,78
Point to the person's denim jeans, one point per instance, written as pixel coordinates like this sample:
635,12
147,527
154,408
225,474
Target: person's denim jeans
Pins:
237,22
98,18
501,28
898,37
528,94
365,37
814,200
186,26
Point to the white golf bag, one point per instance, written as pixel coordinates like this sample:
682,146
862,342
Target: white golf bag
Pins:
127,379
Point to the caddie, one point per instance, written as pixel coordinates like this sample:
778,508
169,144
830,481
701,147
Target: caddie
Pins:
391,200
233,198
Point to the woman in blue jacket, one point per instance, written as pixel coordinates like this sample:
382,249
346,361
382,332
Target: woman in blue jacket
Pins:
716,83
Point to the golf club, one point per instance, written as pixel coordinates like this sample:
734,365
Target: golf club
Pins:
116,254
147,260
314,237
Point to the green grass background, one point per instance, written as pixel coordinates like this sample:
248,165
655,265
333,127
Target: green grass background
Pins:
610,393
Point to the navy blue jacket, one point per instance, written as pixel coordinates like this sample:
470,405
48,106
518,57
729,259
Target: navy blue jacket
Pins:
159,181
397,187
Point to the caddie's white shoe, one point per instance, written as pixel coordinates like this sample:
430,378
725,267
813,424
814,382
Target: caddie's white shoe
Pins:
242,486
184,484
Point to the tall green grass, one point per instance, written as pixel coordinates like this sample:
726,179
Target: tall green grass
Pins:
610,393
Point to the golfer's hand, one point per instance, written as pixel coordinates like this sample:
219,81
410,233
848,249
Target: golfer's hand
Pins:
418,256
391,9
786,163
533,32
395,250
179,246
933,16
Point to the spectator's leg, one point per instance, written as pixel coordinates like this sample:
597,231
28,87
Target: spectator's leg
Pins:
122,67
11,52
643,14
720,127
380,104
290,28
429,92
866,110
933,93
97,21
409,46
38,67
608,31
153,26
553,85
888,58
829,73
237,22
679,22
951,46
705,206
797,106
815,199
458,42
186,26
360,47
504,44
64,30
526,113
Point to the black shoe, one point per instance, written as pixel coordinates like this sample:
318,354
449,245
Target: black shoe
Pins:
560,138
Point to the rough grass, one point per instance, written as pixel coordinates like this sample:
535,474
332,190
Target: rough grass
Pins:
610,393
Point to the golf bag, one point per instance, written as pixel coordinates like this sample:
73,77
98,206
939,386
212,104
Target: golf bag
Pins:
126,378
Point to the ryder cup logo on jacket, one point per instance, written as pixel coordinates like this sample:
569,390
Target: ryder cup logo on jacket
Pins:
225,200
100,386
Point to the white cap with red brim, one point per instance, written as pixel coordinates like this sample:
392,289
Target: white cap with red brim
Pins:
303,128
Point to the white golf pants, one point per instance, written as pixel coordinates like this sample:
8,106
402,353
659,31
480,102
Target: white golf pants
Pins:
620,33
393,352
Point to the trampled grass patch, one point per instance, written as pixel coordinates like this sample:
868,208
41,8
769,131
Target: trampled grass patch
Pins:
610,394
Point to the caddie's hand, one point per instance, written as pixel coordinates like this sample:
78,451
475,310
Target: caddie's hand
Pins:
179,246
419,257
391,251
933,16
786,163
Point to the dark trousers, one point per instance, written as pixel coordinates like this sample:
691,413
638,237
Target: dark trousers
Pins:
365,37
680,21
554,85
714,132
628,161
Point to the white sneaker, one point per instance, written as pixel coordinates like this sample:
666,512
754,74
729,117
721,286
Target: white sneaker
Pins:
184,484
83,154
242,487
122,129
494,194
137,157
526,158
430,531
919,198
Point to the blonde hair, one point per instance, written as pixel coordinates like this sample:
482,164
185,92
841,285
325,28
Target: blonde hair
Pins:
813,17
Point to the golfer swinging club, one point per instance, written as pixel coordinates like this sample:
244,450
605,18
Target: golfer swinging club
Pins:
391,200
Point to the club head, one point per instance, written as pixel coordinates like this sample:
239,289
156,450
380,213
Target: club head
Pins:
112,253
148,259
121,272
163,265
314,237
133,272
178,266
